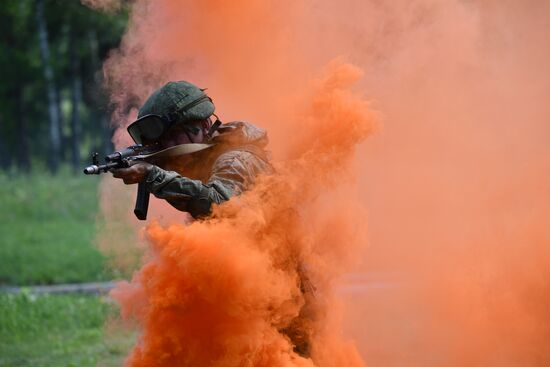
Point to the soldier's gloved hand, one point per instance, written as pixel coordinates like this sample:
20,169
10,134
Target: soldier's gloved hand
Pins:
133,174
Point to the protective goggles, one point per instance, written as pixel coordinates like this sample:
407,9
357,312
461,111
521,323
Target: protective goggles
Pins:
148,127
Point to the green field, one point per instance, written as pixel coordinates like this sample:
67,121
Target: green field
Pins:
47,227
59,331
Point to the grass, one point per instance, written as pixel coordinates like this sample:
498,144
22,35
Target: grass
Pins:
47,226
59,331
47,231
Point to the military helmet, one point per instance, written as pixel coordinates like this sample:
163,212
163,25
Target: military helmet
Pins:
178,102
175,102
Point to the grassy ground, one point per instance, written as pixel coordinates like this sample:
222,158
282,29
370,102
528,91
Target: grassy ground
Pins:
59,331
47,225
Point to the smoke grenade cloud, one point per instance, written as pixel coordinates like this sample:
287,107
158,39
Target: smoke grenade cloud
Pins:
226,291
218,292
456,183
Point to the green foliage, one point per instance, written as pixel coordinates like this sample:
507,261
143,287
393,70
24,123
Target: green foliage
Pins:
58,331
74,30
47,225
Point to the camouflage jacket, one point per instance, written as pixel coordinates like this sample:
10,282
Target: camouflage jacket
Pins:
212,176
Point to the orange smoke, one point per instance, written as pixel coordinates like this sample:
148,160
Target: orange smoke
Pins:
456,185
217,292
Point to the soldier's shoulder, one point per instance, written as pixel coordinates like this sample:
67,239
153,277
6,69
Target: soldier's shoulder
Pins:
238,133
240,154
244,161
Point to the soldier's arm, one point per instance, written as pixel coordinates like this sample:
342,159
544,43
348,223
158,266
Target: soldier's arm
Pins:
232,173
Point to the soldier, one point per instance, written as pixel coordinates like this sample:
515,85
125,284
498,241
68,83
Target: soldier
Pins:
228,159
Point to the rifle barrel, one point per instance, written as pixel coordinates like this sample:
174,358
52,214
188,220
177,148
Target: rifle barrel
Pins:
97,169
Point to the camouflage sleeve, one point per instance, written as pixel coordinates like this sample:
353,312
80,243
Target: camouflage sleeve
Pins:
232,173
237,170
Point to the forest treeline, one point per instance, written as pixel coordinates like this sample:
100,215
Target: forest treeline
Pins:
53,110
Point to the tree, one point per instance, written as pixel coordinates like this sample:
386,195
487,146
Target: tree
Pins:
18,73
51,54
76,97
55,138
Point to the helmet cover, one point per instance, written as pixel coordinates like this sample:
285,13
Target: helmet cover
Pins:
178,102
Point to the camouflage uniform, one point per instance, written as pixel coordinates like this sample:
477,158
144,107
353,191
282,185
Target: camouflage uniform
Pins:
195,182
216,174
228,169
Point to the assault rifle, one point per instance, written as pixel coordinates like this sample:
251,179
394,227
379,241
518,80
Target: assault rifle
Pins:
124,158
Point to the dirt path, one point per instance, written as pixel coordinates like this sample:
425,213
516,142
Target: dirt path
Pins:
83,288
350,283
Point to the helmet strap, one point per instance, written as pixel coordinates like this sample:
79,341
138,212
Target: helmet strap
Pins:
214,127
